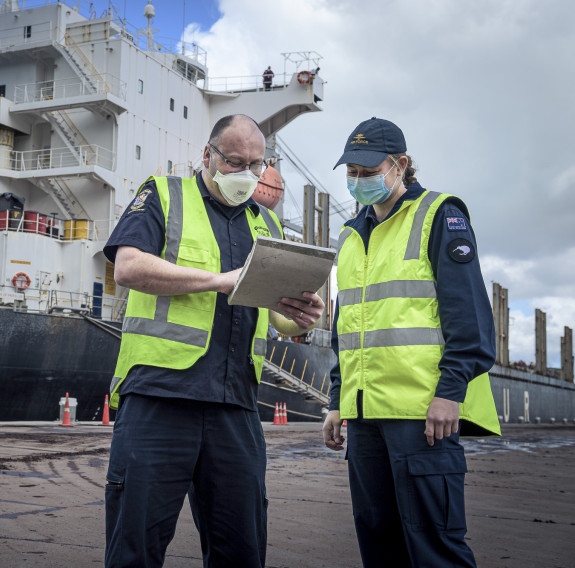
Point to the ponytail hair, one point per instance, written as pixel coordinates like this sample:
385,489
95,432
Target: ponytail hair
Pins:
409,173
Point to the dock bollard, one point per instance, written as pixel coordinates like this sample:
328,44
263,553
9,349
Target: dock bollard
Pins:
66,415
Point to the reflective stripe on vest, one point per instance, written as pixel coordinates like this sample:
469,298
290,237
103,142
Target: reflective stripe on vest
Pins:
393,289
392,338
414,241
260,346
271,224
159,326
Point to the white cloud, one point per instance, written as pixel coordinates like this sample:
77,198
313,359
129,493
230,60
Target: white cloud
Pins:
484,94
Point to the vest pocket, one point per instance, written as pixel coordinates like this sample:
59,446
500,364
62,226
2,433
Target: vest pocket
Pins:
435,490
193,256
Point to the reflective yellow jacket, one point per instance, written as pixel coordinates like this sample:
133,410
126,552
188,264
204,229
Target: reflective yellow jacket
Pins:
174,331
390,339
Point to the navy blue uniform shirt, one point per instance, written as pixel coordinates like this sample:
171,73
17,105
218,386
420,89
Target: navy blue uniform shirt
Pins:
226,372
464,309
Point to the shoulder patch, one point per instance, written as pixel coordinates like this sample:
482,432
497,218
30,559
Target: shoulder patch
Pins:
140,199
456,224
461,250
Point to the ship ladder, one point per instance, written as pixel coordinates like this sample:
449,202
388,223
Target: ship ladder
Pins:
282,376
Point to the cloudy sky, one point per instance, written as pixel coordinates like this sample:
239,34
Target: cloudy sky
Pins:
483,90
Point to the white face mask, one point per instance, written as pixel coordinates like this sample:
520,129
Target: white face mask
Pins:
236,187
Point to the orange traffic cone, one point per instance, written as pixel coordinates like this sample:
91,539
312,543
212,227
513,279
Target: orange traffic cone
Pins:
284,416
277,418
66,415
106,414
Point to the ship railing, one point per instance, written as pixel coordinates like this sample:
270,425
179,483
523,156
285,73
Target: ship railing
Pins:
320,337
59,229
246,83
189,50
26,36
79,303
68,88
50,158
82,6
34,300
42,300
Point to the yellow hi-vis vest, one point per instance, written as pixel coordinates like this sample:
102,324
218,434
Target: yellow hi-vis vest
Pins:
174,331
390,339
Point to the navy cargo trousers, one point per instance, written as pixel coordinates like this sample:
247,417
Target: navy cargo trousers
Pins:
164,449
407,496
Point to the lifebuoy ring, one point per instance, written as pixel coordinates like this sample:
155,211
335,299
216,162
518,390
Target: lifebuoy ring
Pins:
304,77
21,281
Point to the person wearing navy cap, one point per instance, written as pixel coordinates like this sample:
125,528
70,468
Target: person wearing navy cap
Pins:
414,336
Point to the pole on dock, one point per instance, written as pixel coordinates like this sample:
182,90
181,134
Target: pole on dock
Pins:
323,241
567,355
540,342
501,319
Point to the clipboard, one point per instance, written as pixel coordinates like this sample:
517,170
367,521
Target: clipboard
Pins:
277,269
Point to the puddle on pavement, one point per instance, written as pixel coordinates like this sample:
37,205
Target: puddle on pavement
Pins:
475,446
299,453
29,474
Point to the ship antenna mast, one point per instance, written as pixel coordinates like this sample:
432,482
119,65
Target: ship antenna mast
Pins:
149,13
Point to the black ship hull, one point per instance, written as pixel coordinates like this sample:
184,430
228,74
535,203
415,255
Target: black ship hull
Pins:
45,356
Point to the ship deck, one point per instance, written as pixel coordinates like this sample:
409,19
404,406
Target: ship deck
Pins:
520,498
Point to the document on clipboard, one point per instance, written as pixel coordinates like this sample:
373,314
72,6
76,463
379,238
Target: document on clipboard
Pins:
277,269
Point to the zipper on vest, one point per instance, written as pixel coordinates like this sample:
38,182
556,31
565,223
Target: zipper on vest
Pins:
362,329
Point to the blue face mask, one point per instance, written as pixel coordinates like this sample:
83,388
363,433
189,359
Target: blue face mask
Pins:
370,190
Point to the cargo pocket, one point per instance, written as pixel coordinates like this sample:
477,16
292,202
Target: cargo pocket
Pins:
435,490
114,492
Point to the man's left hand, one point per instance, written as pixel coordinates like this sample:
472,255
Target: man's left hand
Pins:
304,312
442,419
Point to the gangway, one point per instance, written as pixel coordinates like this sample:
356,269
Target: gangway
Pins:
282,376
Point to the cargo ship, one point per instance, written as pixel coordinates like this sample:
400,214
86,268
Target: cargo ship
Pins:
91,106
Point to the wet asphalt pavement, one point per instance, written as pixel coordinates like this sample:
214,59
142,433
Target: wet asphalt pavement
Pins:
520,493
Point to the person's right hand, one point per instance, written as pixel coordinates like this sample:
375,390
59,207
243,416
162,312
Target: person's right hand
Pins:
228,280
332,431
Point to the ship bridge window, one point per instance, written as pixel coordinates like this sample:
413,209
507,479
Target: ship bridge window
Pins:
185,112
172,103
138,152
140,86
27,32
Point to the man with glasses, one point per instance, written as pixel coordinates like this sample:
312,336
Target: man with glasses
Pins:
189,365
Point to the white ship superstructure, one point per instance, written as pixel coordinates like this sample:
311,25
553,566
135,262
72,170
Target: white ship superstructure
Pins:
89,108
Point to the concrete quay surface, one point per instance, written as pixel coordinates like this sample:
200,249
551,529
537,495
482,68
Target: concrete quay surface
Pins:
520,499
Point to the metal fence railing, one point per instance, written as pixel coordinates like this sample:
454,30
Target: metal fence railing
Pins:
55,227
68,88
43,300
49,158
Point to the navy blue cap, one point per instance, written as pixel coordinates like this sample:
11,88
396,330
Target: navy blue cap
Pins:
371,142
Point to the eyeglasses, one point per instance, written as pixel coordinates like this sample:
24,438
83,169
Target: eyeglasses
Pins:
257,168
